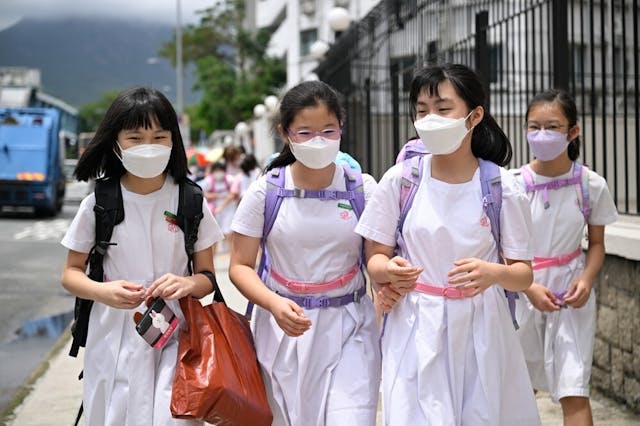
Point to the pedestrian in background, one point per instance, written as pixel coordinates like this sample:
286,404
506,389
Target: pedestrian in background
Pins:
558,314
126,381
449,348
216,187
315,334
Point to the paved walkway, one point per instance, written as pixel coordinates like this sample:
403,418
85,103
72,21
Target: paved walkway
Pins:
53,399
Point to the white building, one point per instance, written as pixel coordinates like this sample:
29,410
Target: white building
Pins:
298,24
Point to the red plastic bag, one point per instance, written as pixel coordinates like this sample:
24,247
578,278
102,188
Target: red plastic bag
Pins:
217,377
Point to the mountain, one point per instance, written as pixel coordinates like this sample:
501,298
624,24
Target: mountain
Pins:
81,58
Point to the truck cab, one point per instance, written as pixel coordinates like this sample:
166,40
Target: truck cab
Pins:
31,159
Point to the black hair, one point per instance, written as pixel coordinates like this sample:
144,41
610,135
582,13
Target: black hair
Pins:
304,95
488,142
248,163
569,109
218,165
133,108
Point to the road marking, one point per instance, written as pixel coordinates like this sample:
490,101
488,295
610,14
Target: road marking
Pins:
44,230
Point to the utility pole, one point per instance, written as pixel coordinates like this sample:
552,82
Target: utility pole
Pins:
179,72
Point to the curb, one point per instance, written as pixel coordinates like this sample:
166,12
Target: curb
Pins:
8,413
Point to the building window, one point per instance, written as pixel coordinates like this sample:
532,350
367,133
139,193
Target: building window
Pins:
307,37
495,62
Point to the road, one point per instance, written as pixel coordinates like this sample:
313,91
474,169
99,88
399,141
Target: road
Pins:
34,308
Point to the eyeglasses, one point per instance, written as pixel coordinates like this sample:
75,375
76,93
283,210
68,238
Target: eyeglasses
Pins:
532,127
306,135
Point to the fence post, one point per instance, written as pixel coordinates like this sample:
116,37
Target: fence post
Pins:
369,143
560,45
482,52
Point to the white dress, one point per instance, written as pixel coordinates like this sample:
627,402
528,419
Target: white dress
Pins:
558,346
451,361
126,382
221,185
331,374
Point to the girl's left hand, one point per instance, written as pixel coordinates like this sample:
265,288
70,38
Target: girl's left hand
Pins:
473,276
170,287
578,294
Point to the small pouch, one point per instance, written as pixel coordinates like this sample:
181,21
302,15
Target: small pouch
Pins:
157,324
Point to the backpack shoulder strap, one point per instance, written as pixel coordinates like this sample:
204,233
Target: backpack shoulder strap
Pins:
409,182
189,216
491,183
527,178
355,187
583,171
273,198
109,212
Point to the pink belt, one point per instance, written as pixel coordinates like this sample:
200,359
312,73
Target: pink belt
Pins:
311,288
563,259
446,292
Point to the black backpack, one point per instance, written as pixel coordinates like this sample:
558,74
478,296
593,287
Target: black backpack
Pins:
109,212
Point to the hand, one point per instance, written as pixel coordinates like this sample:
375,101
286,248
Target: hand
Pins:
217,211
387,297
543,299
122,294
578,293
289,316
473,276
402,275
170,287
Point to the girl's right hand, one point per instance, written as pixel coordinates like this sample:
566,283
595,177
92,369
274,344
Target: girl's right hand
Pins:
542,298
122,294
402,275
289,316
387,297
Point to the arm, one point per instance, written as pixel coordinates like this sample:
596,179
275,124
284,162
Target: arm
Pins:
231,197
117,294
289,316
392,277
477,275
171,286
580,289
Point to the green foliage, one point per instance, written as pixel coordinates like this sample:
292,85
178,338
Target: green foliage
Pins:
233,70
91,114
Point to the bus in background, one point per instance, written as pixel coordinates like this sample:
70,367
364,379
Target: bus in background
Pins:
33,143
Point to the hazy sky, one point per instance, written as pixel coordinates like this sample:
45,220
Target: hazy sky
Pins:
153,10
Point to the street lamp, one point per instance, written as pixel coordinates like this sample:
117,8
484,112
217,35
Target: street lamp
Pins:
259,110
318,49
271,102
339,19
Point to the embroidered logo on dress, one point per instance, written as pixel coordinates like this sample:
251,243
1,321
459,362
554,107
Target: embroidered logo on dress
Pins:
484,221
172,221
345,215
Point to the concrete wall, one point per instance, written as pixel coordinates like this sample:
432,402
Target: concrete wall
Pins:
616,357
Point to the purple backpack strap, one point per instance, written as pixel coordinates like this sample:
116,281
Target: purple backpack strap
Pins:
409,182
411,149
354,189
583,171
491,183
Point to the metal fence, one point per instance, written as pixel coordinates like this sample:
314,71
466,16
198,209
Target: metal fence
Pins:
518,48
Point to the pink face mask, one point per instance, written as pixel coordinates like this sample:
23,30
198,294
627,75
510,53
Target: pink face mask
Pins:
547,144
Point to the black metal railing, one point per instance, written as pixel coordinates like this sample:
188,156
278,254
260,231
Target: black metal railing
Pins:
518,48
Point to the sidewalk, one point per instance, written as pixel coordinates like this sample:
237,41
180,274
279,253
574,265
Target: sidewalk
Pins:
54,398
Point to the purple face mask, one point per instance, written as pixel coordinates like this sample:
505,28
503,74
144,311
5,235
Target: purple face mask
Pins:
547,144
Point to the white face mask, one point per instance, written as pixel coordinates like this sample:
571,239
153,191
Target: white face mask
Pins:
316,153
146,160
441,135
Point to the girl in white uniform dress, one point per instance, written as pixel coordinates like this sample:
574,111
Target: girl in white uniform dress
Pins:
321,366
451,360
558,314
126,381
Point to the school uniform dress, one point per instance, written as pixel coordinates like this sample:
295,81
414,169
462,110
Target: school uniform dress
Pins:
558,346
330,375
222,187
451,361
126,381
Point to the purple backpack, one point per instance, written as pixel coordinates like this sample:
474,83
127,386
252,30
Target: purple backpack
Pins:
579,178
276,192
411,156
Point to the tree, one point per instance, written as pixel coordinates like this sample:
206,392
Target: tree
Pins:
232,68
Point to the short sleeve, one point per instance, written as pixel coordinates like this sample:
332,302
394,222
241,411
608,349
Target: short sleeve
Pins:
603,209
236,184
515,220
81,234
369,185
209,231
380,217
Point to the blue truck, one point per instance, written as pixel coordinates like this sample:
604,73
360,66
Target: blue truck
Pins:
32,152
